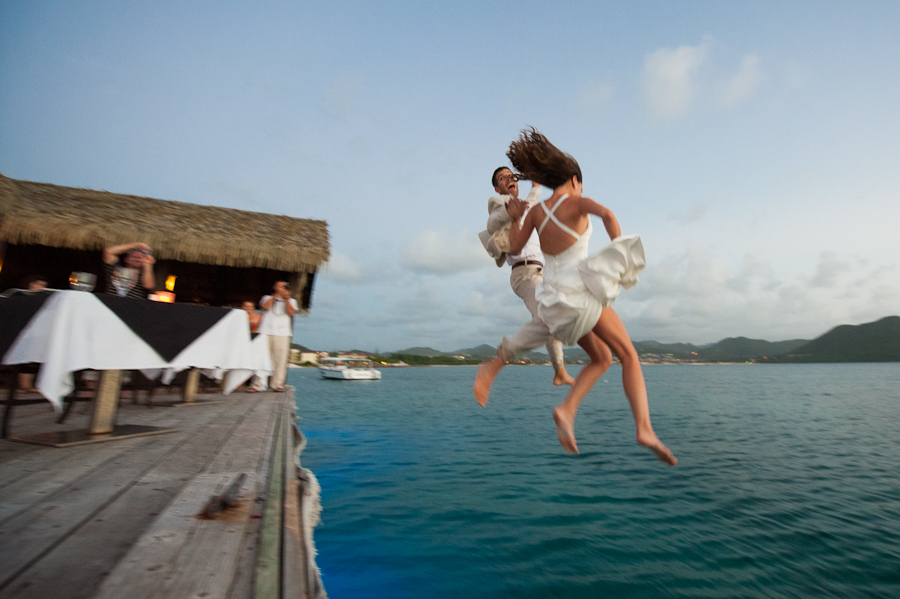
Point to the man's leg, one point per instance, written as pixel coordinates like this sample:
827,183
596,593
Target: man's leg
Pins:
535,333
280,348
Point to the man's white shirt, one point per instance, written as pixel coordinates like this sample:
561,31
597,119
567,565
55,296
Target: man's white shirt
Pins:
276,321
500,217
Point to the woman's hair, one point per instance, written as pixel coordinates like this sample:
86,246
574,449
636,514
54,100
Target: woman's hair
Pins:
536,159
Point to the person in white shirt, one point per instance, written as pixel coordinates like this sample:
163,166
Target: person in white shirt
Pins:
525,276
278,324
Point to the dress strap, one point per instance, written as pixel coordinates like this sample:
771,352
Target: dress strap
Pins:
550,216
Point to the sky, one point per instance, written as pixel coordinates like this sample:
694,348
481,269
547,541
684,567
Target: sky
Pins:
754,146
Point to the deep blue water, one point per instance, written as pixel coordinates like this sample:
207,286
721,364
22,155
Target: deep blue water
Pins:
788,484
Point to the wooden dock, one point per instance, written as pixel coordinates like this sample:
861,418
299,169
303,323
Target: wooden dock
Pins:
125,518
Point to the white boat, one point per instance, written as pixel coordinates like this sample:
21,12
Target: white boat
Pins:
347,369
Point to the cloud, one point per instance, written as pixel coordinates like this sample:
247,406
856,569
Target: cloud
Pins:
342,268
668,79
673,80
693,214
438,252
474,305
697,297
743,83
828,269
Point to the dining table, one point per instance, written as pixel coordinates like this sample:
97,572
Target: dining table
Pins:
66,331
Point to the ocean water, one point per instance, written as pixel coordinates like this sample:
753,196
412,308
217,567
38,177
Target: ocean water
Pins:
788,484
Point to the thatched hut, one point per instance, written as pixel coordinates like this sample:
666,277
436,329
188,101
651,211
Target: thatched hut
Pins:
220,256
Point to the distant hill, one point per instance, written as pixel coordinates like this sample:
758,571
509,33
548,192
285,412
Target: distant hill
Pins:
677,350
420,351
482,352
877,341
742,348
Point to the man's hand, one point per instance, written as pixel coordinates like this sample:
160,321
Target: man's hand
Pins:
516,209
281,291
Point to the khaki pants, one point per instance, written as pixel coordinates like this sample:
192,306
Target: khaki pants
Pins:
534,334
280,351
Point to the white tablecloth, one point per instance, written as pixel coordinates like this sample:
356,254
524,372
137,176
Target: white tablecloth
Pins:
74,331
262,366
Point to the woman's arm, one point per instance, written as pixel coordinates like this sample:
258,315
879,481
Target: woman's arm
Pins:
518,235
111,254
147,278
589,206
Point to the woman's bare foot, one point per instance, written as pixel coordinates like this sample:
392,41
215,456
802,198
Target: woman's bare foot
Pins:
663,454
565,430
487,372
561,377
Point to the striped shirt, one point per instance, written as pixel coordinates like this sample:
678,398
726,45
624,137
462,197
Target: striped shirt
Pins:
136,289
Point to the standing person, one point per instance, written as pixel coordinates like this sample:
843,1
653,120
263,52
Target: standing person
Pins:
278,323
574,299
525,275
131,276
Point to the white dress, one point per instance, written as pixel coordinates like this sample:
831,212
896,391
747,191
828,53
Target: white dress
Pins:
576,287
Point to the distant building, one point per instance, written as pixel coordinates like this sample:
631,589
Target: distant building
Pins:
305,357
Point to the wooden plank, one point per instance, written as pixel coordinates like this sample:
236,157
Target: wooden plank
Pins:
268,562
167,477
243,585
182,555
38,476
252,440
52,476
42,540
248,435
293,577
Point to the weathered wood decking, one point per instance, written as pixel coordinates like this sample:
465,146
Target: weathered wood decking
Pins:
121,519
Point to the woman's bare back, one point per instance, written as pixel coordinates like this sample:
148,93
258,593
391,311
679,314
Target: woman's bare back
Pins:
553,239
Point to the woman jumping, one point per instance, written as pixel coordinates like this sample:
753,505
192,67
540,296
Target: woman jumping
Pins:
574,299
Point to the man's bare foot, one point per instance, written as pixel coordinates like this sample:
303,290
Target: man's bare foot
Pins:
561,377
663,454
565,430
487,372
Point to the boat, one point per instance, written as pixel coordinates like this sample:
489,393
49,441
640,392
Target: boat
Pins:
348,369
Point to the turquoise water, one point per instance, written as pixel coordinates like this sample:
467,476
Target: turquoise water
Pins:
788,485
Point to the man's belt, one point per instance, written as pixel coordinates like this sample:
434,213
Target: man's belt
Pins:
527,263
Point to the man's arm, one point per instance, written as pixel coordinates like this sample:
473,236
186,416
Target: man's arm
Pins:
266,302
533,194
498,215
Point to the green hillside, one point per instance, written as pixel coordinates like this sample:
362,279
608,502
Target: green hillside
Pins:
420,351
742,348
482,352
877,341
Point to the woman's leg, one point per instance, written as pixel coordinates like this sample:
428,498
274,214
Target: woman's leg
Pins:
564,413
611,330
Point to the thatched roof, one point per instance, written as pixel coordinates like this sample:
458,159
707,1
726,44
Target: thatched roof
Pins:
56,216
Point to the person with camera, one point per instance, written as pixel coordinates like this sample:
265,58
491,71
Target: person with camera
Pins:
131,275
278,324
